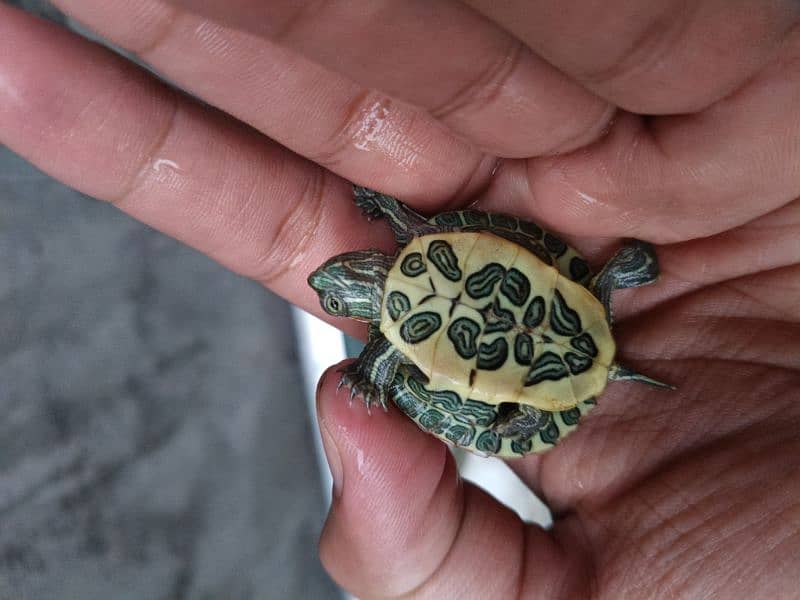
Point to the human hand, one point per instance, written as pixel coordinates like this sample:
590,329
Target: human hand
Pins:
696,494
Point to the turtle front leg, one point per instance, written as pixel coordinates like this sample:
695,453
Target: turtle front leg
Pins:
372,373
405,223
633,265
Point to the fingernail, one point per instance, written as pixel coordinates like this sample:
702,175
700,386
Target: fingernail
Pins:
334,458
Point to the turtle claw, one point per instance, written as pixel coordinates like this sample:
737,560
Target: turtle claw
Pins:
361,386
366,201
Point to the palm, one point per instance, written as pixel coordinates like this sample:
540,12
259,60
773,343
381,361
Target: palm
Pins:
697,480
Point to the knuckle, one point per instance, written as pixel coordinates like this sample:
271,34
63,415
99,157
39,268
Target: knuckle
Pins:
364,119
644,51
148,167
147,39
294,234
480,91
368,119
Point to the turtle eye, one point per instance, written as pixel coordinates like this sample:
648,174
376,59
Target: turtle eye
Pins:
333,305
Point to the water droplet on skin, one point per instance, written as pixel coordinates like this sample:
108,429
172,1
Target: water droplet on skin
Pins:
591,200
9,91
165,164
372,125
360,461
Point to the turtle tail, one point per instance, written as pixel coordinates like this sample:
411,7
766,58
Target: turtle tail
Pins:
405,223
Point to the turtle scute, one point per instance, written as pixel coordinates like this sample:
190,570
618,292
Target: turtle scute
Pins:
485,319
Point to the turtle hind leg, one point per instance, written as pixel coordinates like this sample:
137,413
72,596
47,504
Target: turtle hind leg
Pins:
521,421
444,414
372,374
405,223
621,373
634,265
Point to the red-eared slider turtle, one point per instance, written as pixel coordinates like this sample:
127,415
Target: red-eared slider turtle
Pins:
488,331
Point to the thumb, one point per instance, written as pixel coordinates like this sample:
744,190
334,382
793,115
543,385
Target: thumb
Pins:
402,523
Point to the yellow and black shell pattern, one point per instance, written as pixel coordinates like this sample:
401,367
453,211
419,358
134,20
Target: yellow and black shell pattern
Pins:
485,318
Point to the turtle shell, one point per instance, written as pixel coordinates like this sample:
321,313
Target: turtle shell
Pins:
487,319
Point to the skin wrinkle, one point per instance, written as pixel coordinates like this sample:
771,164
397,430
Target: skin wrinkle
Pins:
467,496
654,475
576,519
601,128
276,262
755,299
301,15
243,205
373,120
585,576
595,501
157,33
696,326
519,580
641,542
142,174
648,48
341,137
696,288
461,507
408,154
789,334
486,86
679,564
649,557
370,124
217,43
474,182
794,517
677,546
444,479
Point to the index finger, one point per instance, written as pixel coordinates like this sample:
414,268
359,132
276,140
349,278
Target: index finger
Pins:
475,77
108,129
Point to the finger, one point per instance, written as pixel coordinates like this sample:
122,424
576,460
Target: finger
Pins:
364,136
764,244
441,56
402,524
672,179
104,127
661,57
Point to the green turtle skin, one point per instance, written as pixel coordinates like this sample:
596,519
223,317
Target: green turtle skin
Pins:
353,284
468,423
548,248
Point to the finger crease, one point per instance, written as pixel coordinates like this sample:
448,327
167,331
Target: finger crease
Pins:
462,519
305,214
159,33
487,86
456,199
142,174
336,143
649,48
311,7
523,560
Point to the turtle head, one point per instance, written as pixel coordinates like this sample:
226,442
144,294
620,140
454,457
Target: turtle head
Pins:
351,285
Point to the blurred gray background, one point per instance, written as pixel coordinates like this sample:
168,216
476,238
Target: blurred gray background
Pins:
154,441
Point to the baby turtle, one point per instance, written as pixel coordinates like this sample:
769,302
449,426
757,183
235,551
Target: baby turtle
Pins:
488,331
